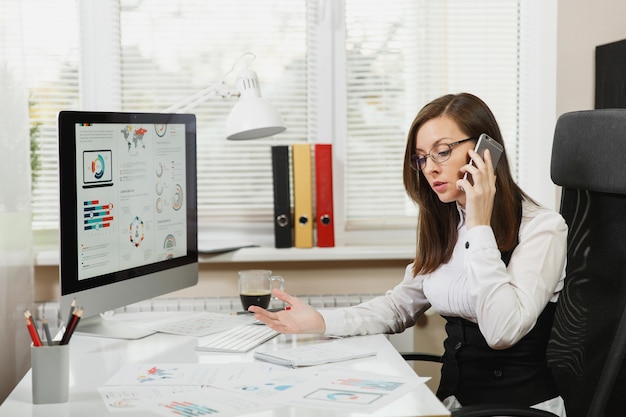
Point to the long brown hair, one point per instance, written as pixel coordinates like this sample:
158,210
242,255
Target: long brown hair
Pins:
437,221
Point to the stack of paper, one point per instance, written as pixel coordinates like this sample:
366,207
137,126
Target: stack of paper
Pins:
311,355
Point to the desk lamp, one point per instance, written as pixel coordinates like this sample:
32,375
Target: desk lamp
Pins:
250,118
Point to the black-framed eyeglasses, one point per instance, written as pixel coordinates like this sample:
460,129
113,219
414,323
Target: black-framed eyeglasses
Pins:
438,153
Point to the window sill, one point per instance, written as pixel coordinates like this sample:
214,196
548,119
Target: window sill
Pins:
338,253
270,254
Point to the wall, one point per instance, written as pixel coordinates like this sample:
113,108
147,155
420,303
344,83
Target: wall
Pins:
16,244
583,25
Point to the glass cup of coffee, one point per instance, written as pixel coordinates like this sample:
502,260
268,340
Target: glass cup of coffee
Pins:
255,287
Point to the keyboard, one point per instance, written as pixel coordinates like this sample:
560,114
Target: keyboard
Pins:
199,324
237,340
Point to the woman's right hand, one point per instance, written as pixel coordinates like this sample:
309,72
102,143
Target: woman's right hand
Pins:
298,316
479,196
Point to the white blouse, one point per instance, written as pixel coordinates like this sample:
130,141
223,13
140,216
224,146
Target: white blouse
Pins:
474,284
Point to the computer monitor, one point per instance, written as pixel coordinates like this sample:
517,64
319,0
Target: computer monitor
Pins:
128,212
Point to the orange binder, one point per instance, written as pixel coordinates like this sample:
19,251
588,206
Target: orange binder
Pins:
324,218
302,195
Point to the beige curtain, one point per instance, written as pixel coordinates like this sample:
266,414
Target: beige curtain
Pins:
16,254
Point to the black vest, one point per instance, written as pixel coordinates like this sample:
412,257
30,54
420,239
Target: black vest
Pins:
477,374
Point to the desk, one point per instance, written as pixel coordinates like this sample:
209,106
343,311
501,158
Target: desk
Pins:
94,360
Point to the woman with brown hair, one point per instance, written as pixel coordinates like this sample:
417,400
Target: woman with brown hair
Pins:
489,259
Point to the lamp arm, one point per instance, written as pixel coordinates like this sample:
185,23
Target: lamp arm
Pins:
219,89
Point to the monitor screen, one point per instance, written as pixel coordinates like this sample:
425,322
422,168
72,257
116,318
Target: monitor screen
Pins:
128,212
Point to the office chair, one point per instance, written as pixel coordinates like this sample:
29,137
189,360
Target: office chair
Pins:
587,348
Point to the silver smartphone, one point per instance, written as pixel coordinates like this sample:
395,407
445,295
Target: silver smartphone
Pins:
495,149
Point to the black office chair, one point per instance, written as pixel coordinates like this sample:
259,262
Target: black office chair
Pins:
587,349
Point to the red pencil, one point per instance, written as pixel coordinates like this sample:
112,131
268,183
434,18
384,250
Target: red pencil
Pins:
31,329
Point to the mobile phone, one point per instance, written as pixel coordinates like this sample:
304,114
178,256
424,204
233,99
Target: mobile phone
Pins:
495,149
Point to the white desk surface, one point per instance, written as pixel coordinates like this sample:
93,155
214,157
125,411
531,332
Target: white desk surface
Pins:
94,360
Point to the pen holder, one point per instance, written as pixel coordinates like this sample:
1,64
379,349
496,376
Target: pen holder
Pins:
50,373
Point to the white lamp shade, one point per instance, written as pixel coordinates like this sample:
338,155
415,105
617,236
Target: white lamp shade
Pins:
252,117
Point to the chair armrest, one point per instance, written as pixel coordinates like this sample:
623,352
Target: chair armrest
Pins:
490,410
419,356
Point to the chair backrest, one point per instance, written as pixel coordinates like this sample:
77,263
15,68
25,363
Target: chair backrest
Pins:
589,162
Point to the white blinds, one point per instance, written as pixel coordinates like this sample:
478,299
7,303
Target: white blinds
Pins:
398,55
172,49
50,50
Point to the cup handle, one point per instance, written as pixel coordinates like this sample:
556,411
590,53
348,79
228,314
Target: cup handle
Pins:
281,283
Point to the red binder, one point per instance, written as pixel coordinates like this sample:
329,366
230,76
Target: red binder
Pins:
324,219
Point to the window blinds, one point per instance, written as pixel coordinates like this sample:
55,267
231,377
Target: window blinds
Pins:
397,56
172,49
50,50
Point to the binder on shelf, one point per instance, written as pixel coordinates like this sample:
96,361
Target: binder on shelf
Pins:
324,217
302,196
283,225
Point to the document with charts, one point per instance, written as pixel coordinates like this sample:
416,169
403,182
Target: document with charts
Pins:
180,389
229,389
326,387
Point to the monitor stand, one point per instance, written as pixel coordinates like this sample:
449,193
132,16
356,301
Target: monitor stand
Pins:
98,327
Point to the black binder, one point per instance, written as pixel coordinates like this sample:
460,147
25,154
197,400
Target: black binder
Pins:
611,75
283,224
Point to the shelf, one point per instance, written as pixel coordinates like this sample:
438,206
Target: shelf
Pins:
267,254
340,253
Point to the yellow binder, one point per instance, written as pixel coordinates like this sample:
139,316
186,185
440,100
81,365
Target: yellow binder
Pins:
302,195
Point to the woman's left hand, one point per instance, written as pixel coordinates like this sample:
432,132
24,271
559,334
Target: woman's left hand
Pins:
480,192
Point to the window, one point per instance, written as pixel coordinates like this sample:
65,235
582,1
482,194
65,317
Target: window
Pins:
52,74
350,72
399,57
